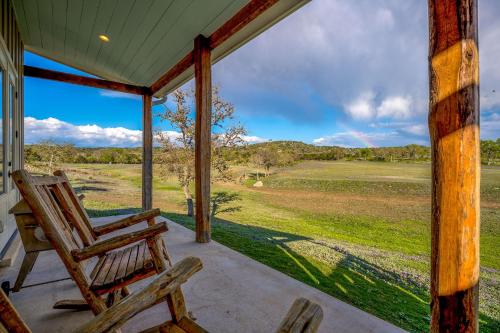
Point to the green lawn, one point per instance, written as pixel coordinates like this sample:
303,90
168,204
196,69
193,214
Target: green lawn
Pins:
359,231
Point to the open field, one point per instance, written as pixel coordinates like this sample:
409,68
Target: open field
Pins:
359,231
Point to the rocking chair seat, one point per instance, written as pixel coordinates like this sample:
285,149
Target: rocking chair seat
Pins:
119,268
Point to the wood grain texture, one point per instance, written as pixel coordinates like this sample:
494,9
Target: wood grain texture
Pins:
127,221
173,72
116,242
303,316
9,317
166,283
58,232
147,153
203,136
244,16
47,74
454,130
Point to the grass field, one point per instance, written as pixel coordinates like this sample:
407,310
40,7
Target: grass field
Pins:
359,231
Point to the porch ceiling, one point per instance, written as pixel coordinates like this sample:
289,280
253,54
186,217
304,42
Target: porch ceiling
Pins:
146,37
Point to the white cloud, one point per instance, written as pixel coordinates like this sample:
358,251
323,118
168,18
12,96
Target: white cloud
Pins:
393,107
362,107
254,139
37,130
416,129
117,94
396,107
340,49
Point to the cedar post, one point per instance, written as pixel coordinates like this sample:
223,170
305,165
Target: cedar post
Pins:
454,130
203,130
147,153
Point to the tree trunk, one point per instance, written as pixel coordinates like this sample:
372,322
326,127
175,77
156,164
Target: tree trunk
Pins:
189,200
190,209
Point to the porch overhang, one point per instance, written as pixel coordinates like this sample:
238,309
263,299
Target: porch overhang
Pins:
147,39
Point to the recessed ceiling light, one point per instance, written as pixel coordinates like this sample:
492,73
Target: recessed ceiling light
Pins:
104,38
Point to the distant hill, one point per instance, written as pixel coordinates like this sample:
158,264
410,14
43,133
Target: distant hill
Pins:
286,152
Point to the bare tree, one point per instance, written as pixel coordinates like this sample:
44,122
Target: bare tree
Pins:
177,152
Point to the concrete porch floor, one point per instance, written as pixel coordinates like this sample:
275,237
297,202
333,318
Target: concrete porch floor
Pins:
232,293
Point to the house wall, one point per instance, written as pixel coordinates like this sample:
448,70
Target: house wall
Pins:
11,126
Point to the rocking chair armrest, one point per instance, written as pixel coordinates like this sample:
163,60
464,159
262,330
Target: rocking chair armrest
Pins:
303,316
165,284
116,242
126,222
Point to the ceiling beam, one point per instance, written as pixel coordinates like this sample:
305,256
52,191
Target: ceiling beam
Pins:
244,16
48,74
239,20
173,72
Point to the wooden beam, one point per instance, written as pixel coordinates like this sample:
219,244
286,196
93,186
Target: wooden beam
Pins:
454,130
203,132
48,74
147,153
173,72
244,16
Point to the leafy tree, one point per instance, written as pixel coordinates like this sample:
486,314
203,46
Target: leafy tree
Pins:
177,153
51,154
490,150
266,159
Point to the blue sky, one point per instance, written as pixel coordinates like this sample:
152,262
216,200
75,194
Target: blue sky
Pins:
336,72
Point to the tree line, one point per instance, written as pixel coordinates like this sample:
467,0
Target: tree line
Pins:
266,155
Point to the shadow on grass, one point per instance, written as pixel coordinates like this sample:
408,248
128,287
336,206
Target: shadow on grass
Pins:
353,279
80,189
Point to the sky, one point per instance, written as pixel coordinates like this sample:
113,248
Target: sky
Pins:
336,72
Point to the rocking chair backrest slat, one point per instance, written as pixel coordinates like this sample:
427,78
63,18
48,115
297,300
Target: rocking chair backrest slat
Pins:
84,217
40,197
37,193
72,214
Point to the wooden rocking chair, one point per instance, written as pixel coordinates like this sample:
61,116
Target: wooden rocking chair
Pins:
116,316
122,259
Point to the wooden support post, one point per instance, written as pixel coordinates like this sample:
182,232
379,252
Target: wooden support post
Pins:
454,130
203,130
147,153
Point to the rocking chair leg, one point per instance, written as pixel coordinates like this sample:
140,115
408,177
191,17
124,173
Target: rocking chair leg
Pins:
165,253
112,298
26,267
176,305
175,300
72,304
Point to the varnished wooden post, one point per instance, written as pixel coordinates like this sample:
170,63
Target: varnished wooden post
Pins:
203,130
454,130
147,153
